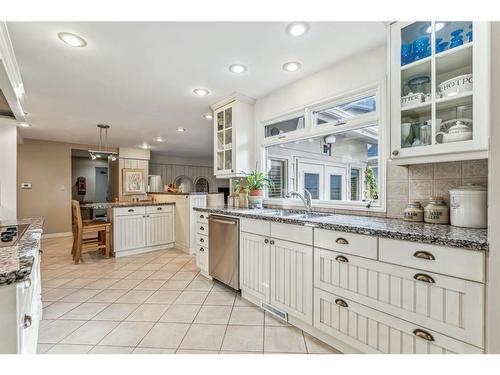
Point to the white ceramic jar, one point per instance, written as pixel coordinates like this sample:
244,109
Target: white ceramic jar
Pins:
469,206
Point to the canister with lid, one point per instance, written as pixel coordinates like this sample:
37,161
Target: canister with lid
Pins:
437,212
468,206
414,212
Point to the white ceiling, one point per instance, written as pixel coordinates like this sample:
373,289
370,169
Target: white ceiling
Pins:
139,76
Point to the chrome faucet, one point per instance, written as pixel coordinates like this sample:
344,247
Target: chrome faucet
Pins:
307,200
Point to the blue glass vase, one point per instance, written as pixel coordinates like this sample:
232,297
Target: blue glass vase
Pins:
406,54
421,48
456,38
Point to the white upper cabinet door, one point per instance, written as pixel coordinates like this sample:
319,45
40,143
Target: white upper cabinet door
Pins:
448,305
292,278
439,74
254,265
160,229
129,232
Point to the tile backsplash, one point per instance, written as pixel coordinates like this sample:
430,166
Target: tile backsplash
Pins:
421,181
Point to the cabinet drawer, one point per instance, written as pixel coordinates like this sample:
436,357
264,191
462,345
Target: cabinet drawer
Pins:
294,233
202,258
201,217
466,264
202,228
448,305
261,227
202,240
372,331
127,211
350,243
159,209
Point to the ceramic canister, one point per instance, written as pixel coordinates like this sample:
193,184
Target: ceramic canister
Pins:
469,207
437,212
414,212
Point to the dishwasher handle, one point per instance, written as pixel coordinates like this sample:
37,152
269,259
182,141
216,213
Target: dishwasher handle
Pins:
222,221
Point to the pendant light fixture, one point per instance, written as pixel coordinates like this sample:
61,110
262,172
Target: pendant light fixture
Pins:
94,154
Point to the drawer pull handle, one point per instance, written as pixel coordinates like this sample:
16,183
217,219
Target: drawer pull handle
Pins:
202,240
341,302
423,277
202,228
271,242
423,335
266,240
27,321
342,241
202,249
424,255
159,208
130,210
341,258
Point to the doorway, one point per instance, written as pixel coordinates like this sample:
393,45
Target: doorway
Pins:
101,190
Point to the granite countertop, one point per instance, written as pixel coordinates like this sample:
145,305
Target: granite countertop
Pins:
101,205
16,261
445,235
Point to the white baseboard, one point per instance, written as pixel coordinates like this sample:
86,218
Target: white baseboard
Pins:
55,235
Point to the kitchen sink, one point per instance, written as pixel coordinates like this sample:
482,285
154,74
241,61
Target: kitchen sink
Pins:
295,214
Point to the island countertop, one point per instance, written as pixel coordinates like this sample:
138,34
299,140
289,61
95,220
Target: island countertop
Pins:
16,262
104,205
444,235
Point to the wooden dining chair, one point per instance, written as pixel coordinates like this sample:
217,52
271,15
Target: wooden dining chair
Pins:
89,235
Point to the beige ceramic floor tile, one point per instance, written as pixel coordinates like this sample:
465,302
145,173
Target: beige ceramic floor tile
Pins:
140,275
213,315
242,315
315,346
57,330
180,313
43,348
199,285
57,309
54,283
152,267
126,284
101,283
150,284
135,296
117,311
220,298
171,268
184,276
153,351
111,350
271,320
127,334
244,338
147,313
164,297
284,340
196,351
90,333
175,285
204,337
161,275
165,335
240,301
52,295
81,295
191,298
85,311
69,349
108,295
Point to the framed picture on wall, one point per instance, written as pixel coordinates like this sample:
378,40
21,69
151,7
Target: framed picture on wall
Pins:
133,181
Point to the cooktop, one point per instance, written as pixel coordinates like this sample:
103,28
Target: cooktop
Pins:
10,234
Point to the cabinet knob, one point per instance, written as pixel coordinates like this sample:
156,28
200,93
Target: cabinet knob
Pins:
202,249
342,241
423,334
341,302
266,240
159,208
202,217
341,258
202,228
424,255
425,278
130,210
27,321
395,153
202,240
271,242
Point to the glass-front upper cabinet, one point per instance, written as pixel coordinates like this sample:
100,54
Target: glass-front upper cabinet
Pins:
439,90
224,134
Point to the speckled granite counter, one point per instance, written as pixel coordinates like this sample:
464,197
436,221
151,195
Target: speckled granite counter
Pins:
16,261
446,235
104,205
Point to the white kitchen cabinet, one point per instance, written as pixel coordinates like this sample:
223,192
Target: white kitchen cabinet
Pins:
424,55
451,306
141,229
233,136
292,278
372,331
255,258
202,249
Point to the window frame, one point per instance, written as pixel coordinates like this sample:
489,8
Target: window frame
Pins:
378,117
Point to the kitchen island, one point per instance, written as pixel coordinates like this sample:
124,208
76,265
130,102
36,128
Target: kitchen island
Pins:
20,287
139,227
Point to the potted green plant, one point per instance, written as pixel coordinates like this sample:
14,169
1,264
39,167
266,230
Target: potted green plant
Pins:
370,184
257,182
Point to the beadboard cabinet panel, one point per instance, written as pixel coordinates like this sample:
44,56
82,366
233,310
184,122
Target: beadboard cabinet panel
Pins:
447,305
129,232
160,228
255,265
372,331
292,279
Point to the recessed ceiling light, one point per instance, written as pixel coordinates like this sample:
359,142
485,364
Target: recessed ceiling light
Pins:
145,146
238,68
72,39
292,66
159,139
438,26
24,125
201,92
208,116
179,129
297,28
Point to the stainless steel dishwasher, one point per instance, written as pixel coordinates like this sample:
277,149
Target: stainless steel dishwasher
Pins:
224,242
